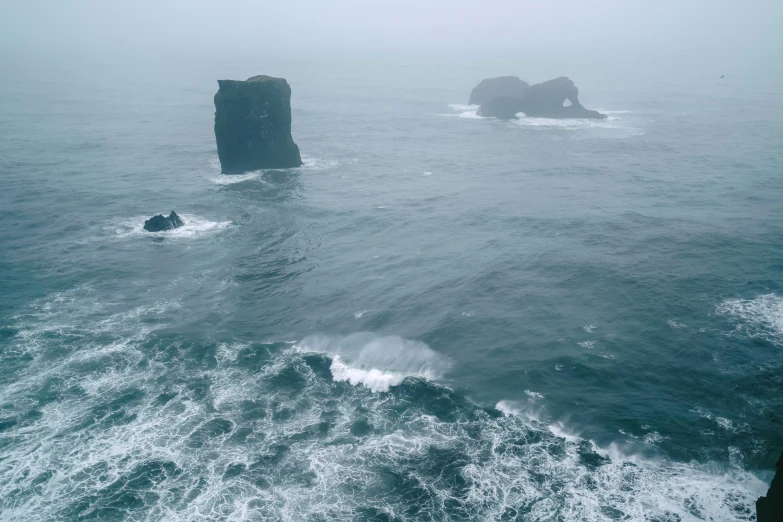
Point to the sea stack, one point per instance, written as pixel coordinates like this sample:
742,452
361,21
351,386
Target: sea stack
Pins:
558,98
253,125
770,508
500,87
161,223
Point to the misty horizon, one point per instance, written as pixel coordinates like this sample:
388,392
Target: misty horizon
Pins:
644,38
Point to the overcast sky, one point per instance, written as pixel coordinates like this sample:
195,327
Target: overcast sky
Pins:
391,24
671,36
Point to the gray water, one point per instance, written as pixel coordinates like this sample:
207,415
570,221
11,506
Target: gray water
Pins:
438,317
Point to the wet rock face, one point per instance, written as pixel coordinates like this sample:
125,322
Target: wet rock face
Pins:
506,96
504,108
253,125
160,223
500,87
548,100
770,507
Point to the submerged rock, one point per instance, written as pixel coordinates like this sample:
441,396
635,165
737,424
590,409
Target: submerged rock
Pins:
253,125
161,223
770,507
558,98
500,87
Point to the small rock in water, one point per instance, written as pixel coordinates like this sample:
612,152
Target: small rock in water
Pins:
506,96
161,223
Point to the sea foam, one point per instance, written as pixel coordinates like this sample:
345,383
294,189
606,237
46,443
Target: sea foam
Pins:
465,111
195,226
282,441
230,179
310,163
759,317
268,432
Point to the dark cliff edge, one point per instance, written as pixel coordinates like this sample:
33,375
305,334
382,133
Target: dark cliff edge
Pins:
504,98
770,507
253,125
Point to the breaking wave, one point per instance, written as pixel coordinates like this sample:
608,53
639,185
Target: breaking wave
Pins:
465,111
154,426
377,362
375,380
758,317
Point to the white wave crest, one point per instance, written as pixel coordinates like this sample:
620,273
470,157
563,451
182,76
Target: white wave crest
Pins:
761,317
376,380
563,123
230,179
310,163
607,128
377,362
560,431
507,408
465,111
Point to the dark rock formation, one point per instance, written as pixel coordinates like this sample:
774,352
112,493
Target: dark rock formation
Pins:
503,108
546,100
500,87
160,223
543,100
770,508
253,125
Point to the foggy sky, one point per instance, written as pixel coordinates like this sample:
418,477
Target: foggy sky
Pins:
730,27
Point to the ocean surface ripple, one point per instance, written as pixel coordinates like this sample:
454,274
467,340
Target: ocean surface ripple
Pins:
437,317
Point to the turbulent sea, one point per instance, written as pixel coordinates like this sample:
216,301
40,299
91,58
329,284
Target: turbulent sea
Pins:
438,317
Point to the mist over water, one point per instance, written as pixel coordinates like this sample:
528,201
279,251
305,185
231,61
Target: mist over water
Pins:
437,317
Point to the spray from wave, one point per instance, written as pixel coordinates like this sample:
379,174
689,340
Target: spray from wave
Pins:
374,379
375,362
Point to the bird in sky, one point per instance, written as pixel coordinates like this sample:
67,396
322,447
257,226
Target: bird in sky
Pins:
721,76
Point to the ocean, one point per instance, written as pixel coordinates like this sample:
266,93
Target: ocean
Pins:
437,317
